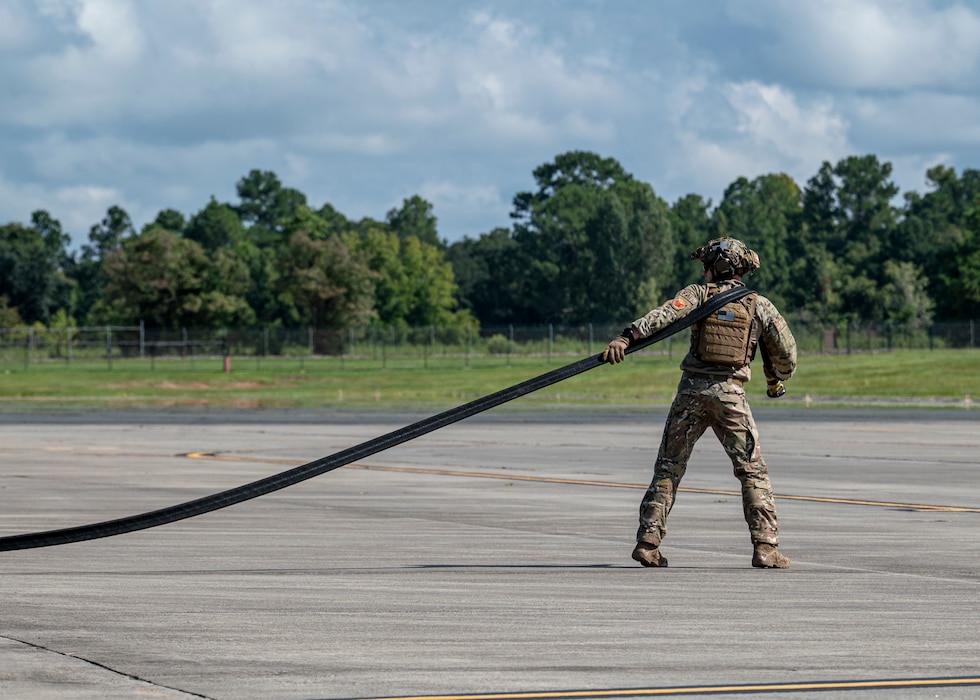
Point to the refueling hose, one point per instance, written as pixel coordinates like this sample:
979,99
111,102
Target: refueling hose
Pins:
295,475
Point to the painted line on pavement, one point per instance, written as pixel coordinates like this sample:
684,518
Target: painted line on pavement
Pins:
920,507
705,690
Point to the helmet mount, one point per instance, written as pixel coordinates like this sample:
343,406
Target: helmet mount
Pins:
726,258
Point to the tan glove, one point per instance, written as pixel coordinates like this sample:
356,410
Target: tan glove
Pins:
615,352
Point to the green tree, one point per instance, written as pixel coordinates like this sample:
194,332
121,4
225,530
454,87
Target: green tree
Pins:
415,218
963,278
169,281
216,226
86,269
487,271
765,213
848,212
905,297
266,205
32,280
415,284
690,220
169,219
938,233
317,280
335,221
9,316
109,234
590,237
323,285
62,289
266,271
849,208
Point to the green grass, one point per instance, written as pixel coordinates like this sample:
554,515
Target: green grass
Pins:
940,377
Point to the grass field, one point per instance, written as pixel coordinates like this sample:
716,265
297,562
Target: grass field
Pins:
939,377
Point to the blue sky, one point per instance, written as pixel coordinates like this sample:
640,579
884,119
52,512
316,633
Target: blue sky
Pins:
153,104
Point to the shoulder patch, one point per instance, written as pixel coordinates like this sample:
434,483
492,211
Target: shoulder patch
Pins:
678,303
690,294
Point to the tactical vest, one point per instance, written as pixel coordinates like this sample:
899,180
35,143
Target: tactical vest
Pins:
725,337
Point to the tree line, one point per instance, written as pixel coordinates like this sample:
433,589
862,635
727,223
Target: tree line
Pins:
590,243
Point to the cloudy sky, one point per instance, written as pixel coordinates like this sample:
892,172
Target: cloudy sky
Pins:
153,104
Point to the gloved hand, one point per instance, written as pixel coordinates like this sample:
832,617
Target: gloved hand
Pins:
774,391
615,352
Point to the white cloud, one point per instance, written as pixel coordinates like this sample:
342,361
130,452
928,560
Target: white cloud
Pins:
113,27
16,29
774,123
872,44
308,69
503,77
281,41
85,205
909,171
83,177
366,144
86,74
77,208
463,196
915,120
726,131
362,104
468,205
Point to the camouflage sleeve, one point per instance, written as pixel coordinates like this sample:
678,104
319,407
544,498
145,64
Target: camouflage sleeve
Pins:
681,305
779,345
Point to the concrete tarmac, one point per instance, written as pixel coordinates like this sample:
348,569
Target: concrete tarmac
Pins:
489,559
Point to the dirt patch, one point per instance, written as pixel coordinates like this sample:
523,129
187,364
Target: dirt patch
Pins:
181,403
183,386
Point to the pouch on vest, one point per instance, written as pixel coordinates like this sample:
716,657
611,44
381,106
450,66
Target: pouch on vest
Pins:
725,337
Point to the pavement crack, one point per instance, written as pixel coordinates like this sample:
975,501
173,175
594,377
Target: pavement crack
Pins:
41,647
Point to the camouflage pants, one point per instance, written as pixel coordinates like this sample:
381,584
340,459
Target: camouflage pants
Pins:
702,403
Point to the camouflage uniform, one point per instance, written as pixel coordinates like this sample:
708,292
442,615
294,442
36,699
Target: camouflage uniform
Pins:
712,396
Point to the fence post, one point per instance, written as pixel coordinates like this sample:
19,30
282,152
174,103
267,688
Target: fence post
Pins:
142,339
510,339
467,347
384,350
431,340
227,349
108,346
29,355
68,349
551,339
590,339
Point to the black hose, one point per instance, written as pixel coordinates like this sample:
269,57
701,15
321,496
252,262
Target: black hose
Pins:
295,475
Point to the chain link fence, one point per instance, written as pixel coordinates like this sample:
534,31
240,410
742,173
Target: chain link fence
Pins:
25,346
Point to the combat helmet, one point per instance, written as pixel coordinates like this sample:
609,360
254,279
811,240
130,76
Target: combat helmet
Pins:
727,257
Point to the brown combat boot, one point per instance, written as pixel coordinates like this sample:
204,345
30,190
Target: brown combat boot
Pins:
766,556
648,555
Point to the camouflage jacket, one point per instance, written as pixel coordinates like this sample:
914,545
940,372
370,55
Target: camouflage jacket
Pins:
772,332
